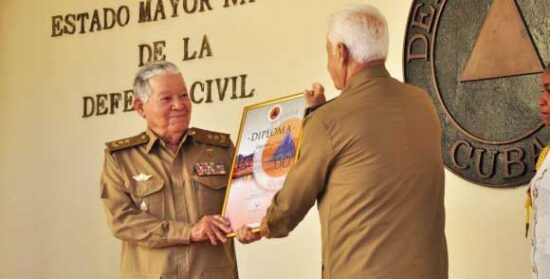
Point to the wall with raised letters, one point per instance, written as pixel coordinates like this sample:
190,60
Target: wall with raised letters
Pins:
65,71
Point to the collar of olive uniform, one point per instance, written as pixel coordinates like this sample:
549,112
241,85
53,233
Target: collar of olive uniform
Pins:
364,76
198,135
153,139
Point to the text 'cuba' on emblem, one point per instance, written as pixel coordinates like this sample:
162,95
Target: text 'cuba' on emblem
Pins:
480,61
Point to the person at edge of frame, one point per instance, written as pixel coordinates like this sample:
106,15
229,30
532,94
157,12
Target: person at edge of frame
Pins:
538,194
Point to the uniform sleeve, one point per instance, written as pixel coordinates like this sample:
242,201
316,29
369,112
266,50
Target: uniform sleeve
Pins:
231,152
305,181
131,224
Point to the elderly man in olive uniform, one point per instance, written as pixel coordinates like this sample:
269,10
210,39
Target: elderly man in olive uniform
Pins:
163,189
371,158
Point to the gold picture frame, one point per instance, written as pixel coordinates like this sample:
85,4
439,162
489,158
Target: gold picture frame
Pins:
267,147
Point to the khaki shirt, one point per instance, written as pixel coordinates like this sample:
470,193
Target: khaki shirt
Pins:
371,159
152,198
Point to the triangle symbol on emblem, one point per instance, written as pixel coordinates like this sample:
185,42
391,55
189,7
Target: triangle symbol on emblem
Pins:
503,47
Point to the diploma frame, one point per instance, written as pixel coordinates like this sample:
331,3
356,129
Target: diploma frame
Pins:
235,206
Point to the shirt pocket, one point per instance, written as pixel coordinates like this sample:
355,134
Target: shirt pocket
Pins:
148,196
210,194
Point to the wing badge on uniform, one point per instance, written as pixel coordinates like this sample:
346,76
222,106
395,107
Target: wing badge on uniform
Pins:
141,177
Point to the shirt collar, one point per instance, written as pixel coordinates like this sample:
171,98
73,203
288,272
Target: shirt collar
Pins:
154,139
364,76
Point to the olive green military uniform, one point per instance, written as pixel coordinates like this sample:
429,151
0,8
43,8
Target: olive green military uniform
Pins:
371,159
152,198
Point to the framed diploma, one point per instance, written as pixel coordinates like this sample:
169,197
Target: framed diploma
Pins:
267,147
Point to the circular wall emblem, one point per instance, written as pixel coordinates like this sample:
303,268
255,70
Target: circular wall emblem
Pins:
480,61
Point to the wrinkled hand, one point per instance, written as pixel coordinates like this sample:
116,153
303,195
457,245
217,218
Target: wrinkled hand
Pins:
544,108
212,227
245,234
316,95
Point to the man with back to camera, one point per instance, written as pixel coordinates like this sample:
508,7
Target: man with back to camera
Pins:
164,188
371,158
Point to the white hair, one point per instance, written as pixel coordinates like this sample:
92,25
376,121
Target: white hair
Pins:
142,90
363,30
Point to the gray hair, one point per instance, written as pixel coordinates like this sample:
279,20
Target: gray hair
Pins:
142,90
363,30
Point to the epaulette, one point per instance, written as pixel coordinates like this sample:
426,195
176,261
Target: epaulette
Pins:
209,137
314,108
542,156
127,142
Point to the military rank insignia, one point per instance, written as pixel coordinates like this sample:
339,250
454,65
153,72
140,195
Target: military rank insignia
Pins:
209,169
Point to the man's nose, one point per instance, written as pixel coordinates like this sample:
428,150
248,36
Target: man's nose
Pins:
177,104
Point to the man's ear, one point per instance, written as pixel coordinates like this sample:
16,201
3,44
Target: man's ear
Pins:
138,106
343,54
